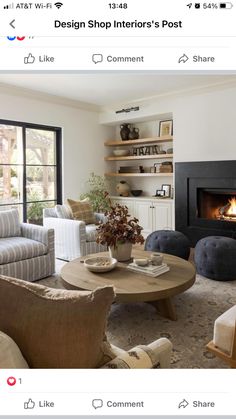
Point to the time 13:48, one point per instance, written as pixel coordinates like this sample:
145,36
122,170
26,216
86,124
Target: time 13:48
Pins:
118,5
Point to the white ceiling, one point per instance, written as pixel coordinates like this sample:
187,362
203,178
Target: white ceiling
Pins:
106,90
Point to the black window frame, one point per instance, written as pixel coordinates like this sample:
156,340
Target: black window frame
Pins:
58,165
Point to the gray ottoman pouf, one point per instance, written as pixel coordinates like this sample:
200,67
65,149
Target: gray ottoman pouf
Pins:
168,241
215,258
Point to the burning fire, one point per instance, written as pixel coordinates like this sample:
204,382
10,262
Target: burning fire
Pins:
231,211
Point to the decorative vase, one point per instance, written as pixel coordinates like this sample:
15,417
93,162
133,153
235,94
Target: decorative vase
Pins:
123,188
122,252
134,133
124,132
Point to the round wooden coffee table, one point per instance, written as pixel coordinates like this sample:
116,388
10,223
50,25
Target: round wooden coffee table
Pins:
134,287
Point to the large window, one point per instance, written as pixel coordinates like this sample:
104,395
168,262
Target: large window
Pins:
30,168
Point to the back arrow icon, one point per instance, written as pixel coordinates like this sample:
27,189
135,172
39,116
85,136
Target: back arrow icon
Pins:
12,23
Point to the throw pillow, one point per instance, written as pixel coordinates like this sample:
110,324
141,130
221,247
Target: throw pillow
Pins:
10,354
63,211
9,223
82,210
56,328
139,357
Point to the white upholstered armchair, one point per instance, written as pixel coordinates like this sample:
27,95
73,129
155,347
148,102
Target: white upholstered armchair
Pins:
73,238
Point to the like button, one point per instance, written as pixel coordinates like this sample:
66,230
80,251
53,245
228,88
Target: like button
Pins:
30,404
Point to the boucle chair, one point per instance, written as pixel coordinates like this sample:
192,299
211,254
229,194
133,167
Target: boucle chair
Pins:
57,328
223,344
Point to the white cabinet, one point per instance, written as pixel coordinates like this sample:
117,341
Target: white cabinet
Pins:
152,214
144,213
162,216
129,203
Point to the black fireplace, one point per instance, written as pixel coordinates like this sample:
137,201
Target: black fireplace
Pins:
205,199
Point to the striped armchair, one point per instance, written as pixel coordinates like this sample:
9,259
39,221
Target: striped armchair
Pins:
26,250
73,238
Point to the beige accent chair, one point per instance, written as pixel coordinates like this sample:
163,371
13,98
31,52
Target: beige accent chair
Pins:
57,328
223,344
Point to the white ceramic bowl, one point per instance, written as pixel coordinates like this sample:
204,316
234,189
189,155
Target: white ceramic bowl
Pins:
120,153
100,264
141,262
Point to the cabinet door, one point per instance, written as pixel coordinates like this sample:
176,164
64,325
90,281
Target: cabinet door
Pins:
125,202
162,216
143,211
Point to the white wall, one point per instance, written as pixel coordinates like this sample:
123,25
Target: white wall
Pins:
83,137
204,122
204,129
205,126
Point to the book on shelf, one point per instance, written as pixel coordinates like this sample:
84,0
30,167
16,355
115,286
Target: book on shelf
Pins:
130,169
166,167
149,270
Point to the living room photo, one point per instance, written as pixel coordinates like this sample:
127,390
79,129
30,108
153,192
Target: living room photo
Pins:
117,221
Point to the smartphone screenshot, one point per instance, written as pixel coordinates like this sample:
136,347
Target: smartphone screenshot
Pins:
117,209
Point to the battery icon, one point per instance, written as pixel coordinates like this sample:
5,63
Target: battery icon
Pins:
226,5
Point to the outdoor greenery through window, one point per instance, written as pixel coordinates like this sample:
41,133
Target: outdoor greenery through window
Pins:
30,169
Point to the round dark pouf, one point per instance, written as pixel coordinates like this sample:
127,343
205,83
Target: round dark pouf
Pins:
168,241
215,258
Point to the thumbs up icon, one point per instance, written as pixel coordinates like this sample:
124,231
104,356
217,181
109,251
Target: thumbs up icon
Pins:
30,59
29,404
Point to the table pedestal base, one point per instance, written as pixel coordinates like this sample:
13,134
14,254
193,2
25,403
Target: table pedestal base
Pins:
165,308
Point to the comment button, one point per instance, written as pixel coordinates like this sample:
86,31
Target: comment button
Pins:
97,403
97,58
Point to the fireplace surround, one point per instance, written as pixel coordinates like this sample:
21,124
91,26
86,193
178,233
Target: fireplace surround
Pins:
204,199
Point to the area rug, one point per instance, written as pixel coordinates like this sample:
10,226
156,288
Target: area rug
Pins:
197,308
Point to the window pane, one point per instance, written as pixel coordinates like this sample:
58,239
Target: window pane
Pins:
35,211
40,147
11,151
28,169
11,181
18,207
40,183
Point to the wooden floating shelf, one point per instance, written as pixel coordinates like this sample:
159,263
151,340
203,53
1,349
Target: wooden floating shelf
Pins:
164,139
138,174
144,157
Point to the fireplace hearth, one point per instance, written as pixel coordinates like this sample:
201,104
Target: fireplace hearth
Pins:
205,199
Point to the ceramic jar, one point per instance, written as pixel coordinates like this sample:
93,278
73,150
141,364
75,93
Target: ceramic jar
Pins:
123,188
124,132
134,133
156,259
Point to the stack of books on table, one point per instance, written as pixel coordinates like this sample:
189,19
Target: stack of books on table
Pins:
149,270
